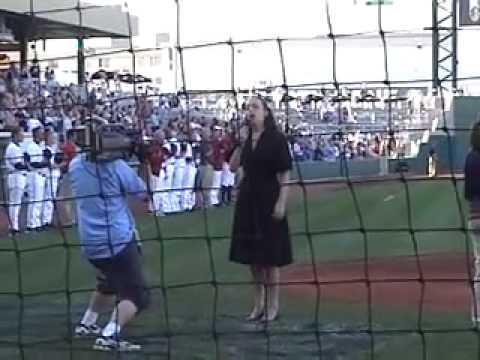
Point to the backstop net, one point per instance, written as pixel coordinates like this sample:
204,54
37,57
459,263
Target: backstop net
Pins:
384,264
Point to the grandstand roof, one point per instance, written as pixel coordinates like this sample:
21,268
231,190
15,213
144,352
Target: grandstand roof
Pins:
59,19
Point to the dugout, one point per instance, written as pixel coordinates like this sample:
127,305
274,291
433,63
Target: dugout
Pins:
25,21
61,19
451,141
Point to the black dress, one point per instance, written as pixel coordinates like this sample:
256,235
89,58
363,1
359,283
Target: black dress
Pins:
258,238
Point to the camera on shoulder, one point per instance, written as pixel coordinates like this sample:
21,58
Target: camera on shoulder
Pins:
108,142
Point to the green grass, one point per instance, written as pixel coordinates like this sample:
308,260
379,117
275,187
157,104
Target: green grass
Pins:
192,251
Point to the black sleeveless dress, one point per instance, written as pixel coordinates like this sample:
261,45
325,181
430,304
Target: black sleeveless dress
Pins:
258,238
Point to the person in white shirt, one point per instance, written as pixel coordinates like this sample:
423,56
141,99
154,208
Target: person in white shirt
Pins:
216,155
67,121
33,123
228,182
17,177
188,195
36,180
166,184
177,181
155,161
172,139
53,175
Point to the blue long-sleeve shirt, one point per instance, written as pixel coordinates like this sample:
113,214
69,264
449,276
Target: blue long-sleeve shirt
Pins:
105,222
472,176
472,182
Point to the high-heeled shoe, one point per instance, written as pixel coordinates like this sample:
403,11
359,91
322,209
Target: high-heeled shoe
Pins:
272,316
255,315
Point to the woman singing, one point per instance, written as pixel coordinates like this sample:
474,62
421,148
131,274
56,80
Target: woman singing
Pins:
260,236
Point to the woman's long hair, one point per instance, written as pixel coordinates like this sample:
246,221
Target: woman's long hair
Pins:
269,122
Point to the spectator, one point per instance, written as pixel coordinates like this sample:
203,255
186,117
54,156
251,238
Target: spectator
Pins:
67,215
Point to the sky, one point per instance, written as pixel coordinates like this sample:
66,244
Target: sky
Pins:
213,20
204,21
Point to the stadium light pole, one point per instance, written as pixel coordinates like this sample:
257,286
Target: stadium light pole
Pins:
177,44
454,44
435,44
444,43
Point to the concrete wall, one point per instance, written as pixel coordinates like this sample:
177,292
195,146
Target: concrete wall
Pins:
466,112
451,147
323,170
444,147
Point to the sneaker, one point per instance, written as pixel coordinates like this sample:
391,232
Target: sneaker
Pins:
112,344
82,330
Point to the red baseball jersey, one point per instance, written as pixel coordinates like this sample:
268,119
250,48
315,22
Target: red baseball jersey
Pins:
216,155
221,149
227,145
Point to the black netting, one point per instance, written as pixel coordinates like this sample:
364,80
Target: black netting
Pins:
198,313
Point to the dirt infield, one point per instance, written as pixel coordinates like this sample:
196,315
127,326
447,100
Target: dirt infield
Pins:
446,285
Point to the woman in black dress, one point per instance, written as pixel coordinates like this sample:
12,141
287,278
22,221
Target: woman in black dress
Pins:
260,236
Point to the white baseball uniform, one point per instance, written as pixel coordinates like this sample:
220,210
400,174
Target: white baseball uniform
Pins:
167,186
33,123
36,186
177,184
215,189
157,184
228,177
17,182
154,204
51,187
188,196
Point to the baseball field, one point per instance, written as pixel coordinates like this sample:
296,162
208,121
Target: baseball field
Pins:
381,271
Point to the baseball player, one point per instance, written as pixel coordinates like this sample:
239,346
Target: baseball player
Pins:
432,163
188,196
54,160
164,182
170,150
216,160
155,160
177,181
17,177
228,177
36,180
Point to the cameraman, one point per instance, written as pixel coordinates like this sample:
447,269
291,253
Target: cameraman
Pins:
107,236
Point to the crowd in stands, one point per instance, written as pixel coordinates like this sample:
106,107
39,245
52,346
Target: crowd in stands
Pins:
190,146
183,155
352,146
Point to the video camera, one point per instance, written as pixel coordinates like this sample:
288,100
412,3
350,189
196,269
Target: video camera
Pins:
108,142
